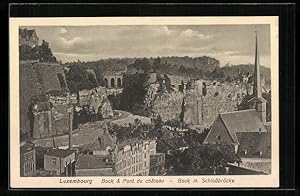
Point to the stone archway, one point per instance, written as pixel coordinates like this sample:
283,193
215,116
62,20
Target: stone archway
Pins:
112,83
106,82
119,83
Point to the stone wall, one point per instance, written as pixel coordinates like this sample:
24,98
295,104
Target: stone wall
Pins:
220,97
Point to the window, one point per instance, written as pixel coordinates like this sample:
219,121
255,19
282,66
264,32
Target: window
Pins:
53,162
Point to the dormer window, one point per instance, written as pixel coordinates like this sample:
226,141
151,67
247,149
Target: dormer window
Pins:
245,152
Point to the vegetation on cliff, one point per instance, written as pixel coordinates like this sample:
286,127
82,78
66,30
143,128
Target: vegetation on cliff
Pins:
203,67
42,53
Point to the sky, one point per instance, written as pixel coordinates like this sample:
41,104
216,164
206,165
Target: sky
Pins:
230,44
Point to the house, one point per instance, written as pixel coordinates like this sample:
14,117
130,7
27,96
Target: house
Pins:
28,37
228,125
27,159
132,157
39,155
94,165
59,162
157,164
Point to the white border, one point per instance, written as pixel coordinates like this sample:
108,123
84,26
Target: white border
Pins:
245,181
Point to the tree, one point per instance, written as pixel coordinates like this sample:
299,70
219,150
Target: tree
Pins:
143,64
205,159
78,79
157,63
134,92
46,53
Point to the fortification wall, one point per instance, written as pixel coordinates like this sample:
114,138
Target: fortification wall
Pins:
36,79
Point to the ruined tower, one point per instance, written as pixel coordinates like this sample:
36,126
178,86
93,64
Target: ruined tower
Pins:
258,102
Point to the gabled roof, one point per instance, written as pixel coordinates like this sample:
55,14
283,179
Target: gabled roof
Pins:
257,100
243,121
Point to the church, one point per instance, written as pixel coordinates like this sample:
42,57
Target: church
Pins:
248,130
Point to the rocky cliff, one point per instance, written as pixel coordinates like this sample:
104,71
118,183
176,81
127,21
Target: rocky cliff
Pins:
197,108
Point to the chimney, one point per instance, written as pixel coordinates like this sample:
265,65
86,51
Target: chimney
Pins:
70,112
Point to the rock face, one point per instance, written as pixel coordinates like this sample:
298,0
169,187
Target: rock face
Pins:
168,105
196,106
105,109
97,101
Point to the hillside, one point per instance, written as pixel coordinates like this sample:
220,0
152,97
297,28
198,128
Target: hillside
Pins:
204,67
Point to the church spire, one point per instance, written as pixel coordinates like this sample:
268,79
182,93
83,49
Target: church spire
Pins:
256,77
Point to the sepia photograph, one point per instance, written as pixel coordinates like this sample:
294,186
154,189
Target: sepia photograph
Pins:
144,102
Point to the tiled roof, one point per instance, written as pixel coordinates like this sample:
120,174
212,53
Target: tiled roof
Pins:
242,121
60,153
92,162
253,143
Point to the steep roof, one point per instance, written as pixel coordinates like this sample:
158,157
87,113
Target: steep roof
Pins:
60,152
254,143
92,162
242,121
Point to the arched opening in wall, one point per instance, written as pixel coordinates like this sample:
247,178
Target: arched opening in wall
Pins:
119,82
106,82
112,83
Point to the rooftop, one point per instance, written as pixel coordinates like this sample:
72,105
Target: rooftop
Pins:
242,121
254,143
92,162
60,152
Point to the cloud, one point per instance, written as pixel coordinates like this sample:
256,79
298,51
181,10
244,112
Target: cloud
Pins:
71,42
62,30
232,44
167,31
194,34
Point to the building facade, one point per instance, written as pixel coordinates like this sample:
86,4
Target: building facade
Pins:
58,161
157,164
133,157
28,37
27,159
